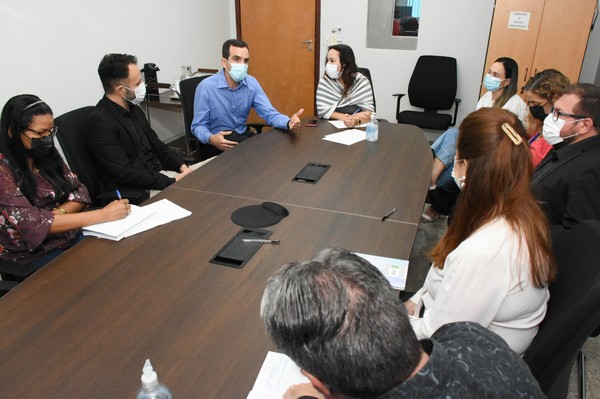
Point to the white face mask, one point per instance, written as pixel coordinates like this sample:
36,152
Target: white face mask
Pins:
460,181
332,71
552,128
140,94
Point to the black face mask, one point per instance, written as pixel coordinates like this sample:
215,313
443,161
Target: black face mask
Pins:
40,147
537,111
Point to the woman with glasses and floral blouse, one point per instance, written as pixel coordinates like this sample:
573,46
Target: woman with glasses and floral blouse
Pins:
41,200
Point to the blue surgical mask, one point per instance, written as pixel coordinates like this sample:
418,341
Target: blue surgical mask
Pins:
238,71
491,83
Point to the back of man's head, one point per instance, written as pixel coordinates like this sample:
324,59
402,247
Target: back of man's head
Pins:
232,42
113,69
589,101
339,319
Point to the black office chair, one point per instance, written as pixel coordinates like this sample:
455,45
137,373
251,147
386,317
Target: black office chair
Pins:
12,274
71,136
187,91
573,310
432,87
367,73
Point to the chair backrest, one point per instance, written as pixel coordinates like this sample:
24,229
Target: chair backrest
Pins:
367,73
187,88
573,309
432,85
71,136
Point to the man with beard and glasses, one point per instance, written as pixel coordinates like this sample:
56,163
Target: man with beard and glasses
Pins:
567,180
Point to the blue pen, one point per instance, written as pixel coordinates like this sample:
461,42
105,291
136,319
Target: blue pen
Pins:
356,112
118,194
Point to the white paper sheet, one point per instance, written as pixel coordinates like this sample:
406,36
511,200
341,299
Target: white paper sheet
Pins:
276,375
395,270
141,219
347,137
340,124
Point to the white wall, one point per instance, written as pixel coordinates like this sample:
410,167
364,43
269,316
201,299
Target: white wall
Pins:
52,48
458,28
591,60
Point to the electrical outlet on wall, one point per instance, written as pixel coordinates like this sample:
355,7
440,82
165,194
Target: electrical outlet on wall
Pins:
339,34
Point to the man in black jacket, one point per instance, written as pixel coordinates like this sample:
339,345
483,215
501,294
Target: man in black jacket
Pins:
128,151
567,180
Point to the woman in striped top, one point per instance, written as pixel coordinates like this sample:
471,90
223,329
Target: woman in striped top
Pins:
343,92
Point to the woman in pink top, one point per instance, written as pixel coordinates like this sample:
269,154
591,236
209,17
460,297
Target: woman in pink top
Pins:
540,92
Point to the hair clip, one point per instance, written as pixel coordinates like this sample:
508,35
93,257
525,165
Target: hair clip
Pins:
512,134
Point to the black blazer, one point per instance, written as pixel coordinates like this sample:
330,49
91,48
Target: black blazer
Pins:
567,183
119,149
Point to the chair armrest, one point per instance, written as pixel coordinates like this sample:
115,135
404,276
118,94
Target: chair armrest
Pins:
6,286
399,95
258,126
15,269
457,101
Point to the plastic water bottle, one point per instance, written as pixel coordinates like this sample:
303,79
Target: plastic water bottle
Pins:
151,388
372,133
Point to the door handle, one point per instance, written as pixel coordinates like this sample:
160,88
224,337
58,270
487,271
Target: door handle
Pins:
309,42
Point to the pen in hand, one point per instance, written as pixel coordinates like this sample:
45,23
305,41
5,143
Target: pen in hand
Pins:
118,194
260,240
387,215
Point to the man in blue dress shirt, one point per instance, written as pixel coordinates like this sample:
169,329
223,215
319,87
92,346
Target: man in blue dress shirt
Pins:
223,101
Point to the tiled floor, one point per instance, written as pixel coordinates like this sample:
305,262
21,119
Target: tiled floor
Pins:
592,375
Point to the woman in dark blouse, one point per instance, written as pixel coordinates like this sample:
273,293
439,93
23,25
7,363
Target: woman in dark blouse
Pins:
41,200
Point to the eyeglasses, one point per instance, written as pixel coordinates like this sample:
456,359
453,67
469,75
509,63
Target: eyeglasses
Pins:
44,136
557,114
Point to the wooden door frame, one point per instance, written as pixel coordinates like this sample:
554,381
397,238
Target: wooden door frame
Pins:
316,44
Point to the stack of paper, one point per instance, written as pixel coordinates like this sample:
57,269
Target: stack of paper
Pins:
347,137
276,375
395,270
340,124
140,219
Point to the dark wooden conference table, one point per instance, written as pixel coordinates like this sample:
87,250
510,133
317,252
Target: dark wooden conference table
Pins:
83,325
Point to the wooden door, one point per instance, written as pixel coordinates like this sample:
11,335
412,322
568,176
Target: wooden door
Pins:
563,36
517,44
285,66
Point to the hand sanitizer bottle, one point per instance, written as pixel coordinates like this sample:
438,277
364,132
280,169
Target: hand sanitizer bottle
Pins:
151,388
372,133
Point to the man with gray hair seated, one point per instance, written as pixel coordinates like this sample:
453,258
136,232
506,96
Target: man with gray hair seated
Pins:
340,320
